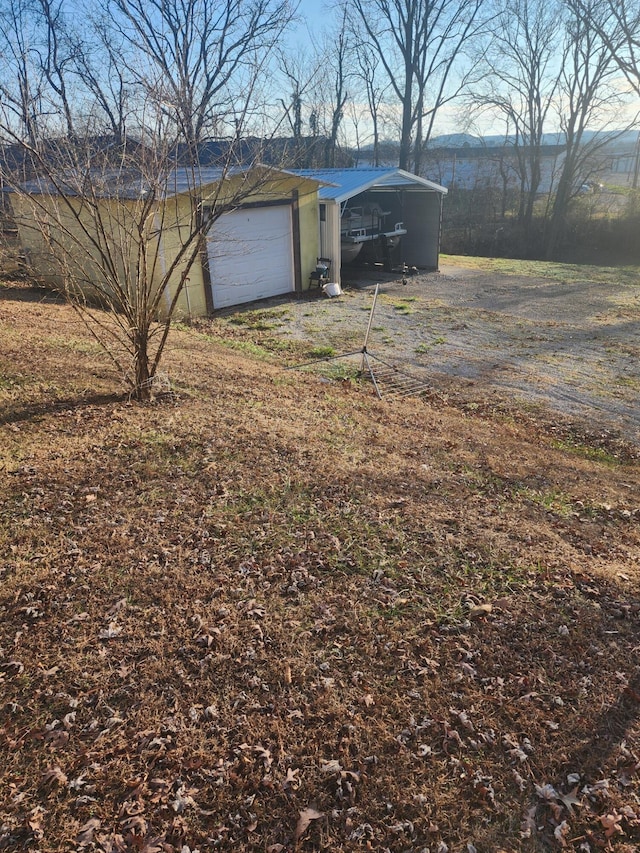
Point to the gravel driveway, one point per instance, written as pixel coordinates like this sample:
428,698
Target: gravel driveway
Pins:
570,347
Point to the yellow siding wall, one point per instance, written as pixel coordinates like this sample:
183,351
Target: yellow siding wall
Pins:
309,233
82,242
170,219
192,301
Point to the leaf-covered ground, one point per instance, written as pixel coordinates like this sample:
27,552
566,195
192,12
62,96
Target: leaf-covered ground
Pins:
272,613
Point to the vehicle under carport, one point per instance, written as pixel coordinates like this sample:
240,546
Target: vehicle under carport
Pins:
410,203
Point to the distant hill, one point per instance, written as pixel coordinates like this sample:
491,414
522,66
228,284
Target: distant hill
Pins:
619,139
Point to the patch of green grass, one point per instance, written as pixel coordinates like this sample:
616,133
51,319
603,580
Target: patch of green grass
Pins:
596,454
75,344
565,273
628,382
341,371
482,481
260,321
403,307
247,348
553,501
322,352
427,347
11,383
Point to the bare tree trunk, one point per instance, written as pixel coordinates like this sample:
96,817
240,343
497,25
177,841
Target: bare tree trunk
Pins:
418,43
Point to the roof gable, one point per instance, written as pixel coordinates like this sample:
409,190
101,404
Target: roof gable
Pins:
342,184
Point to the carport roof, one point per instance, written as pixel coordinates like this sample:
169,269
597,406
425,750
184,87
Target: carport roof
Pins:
345,183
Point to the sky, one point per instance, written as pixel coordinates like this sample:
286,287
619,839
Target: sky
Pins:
314,15
318,15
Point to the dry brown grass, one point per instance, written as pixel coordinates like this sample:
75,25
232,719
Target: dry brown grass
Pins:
261,596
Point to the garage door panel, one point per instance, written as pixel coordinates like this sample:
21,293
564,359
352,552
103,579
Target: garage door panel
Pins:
251,255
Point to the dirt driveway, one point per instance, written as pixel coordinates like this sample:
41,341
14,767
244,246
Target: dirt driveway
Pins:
572,347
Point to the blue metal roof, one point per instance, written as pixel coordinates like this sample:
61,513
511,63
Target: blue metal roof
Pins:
343,184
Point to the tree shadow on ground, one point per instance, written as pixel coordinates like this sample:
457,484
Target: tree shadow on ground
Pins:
18,290
37,410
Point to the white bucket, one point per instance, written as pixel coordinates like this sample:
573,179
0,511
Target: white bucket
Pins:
332,288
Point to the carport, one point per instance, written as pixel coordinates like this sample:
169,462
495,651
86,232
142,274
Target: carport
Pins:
406,198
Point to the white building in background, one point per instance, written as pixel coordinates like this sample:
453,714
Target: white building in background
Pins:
468,162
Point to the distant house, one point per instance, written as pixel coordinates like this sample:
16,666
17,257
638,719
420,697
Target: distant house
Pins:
473,167
469,162
285,152
617,163
265,246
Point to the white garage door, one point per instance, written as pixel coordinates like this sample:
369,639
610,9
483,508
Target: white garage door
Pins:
251,255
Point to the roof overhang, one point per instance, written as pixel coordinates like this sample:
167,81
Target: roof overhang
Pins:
340,185
131,184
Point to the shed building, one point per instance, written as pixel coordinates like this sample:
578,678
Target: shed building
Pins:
406,199
265,246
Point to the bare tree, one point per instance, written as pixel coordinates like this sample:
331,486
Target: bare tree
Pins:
21,76
420,45
368,73
57,59
587,96
197,56
99,65
300,75
103,228
100,214
340,62
617,23
524,60
49,66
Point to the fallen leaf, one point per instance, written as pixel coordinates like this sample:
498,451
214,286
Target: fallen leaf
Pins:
135,824
611,823
110,632
12,667
304,820
292,780
480,610
35,819
154,845
54,776
116,608
560,832
570,799
546,792
85,833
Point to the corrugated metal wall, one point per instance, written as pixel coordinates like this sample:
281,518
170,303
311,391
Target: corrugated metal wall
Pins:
421,245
